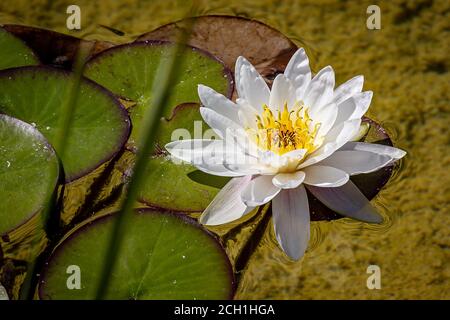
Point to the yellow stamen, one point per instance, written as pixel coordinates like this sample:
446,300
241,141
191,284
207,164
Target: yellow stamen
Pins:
288,131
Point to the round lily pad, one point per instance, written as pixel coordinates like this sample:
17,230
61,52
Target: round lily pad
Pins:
130,70
28,172
100,125
163,256
13,52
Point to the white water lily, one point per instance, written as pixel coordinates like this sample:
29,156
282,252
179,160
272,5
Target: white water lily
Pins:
276,142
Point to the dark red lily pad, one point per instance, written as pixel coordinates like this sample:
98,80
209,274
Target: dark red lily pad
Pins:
228,37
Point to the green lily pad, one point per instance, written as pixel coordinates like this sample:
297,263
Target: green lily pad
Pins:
129,71
163,256
100,125
28,172
178,186
13,52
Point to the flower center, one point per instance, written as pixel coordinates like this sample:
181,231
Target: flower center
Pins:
287,131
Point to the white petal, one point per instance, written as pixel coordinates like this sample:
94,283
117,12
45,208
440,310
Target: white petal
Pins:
193,150
362,101
218,169
381,149
270,158
348,89
247,114
291,221
210,156
324,151
291,158
354,107
345,110
299,72
282,92
218,122
356,162
216,157
250,85
323,176
288,180
3,293
341,133
362,132
326,116
320,89
336,138
227,206
246,167
230,165
294,155
259,191
348,201
218,102
238,140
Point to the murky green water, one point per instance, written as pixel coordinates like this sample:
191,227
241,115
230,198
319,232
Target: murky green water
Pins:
405,63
